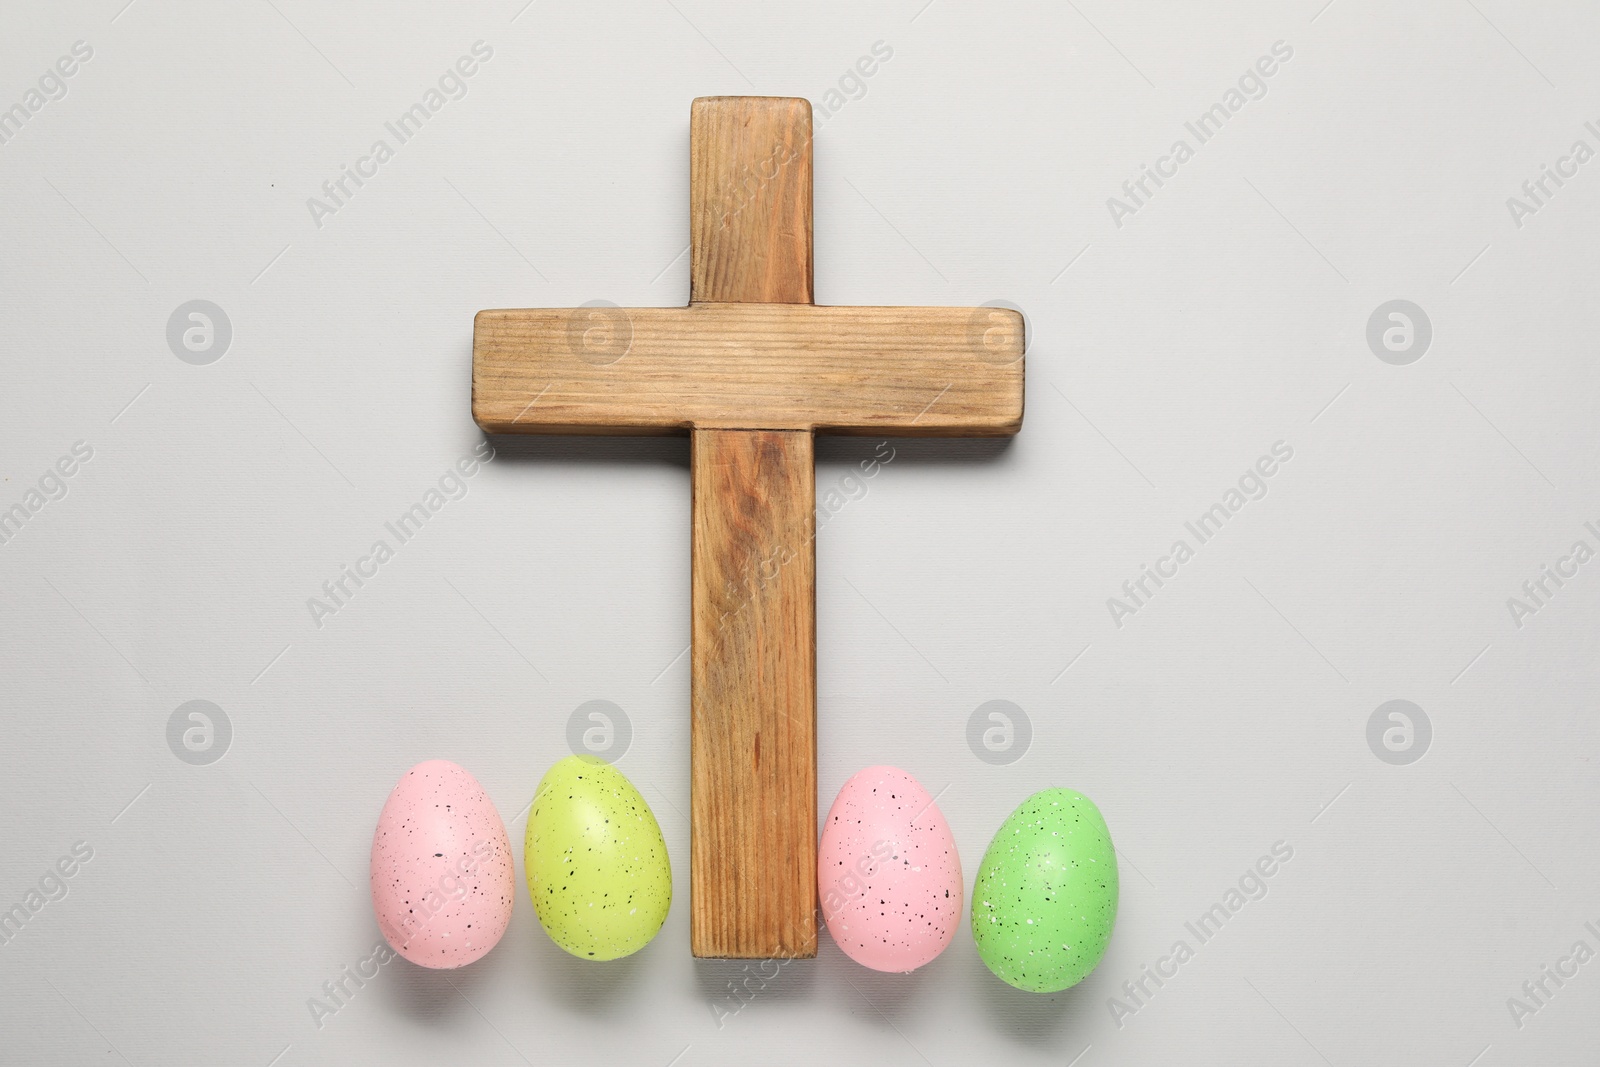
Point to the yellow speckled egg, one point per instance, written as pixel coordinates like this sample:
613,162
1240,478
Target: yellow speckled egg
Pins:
597,866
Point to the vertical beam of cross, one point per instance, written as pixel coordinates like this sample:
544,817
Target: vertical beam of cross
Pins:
753,882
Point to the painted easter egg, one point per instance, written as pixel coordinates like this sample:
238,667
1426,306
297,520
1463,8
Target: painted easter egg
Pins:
597,865
888,874
442,869
1045,899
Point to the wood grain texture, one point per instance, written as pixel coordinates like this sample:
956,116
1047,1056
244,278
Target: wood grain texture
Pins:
753,850
750,199
924,371
753,879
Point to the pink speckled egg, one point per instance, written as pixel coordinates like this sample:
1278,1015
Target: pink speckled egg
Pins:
442,870
888,874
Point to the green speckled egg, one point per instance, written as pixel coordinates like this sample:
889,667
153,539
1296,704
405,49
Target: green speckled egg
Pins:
597,866
1046,895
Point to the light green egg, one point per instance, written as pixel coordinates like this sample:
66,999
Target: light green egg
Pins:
1046,893
597,866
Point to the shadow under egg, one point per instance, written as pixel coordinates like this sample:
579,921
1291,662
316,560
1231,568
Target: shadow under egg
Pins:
1041,1020
433,995
589,987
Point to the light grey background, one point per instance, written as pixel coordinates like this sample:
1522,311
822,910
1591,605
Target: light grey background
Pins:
1228,313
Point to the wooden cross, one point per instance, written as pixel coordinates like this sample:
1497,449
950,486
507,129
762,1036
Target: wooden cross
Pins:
751,370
